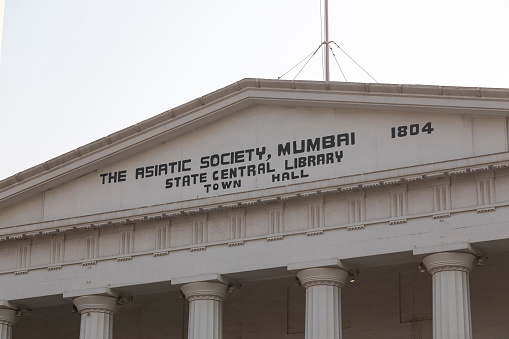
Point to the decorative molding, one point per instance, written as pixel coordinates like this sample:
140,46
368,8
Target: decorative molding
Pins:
414,178
316,215
397,222
196,249
355,228
441,197
57,251
399,202
442,216
126,242
276,238
54,268
462,171
238,226
236,243
92,247
200,231
485,191
313,233
129,258
276,220
371,184
392,182
161,254
21,272
449,261
162,237
486,210
89,263
357,208
320,276
205,297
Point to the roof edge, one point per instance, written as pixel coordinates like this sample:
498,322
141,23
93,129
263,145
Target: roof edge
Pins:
267,84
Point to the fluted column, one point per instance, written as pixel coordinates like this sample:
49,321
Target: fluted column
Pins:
205,309
323,301
451,294
7,321
96,316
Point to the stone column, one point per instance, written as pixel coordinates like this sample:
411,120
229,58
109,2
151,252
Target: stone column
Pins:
323,301
7,321
451,294
96,316
205,309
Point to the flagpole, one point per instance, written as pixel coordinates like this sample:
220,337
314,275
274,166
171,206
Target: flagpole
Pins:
326,45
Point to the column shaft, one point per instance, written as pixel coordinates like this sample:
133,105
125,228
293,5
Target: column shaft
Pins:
205,309
96,316
7,321
323,301
451,294
323,312
96,325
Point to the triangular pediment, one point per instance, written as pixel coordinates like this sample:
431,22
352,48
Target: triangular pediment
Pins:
260,140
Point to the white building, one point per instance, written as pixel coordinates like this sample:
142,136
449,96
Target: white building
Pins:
253,186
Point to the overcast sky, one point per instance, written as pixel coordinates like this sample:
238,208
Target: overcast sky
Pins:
72,72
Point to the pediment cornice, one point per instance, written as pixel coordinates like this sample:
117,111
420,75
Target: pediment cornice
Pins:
241,95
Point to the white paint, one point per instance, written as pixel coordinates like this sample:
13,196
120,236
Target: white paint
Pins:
451,294
96,316
323,301
205,309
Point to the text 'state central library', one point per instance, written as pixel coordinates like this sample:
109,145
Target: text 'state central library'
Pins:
270,209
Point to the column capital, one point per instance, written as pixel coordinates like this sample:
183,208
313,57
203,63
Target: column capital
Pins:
449,261
96,304
204,291
8,316
328,276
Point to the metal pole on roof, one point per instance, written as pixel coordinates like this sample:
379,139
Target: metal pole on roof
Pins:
326,45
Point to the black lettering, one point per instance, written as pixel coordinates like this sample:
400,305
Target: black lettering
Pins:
239,156
203,177
251,170
112,177
249,154
103,176
122,176
169,183
283,149
184,163
162,168
311,160
139,172
149,171
204,162
330,158
328,142
313,145
260,152
214,160
302,147
345,137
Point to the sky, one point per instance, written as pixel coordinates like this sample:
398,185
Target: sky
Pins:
72,72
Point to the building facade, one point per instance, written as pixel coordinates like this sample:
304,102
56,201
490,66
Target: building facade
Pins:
270,209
